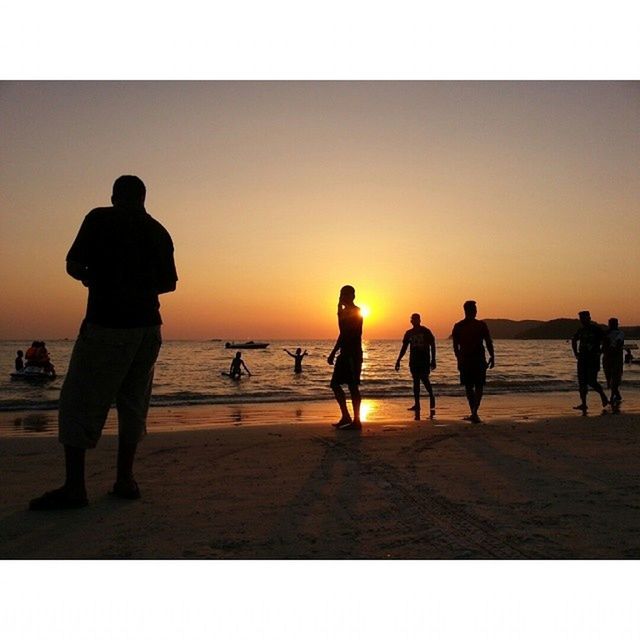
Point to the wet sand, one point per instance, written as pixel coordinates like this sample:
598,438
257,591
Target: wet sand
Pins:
554,487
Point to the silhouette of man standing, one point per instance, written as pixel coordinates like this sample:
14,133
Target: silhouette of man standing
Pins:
586,345
422,360
349,362
469,337
125,258
612,360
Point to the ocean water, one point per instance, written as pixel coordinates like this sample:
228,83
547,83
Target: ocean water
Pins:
189,373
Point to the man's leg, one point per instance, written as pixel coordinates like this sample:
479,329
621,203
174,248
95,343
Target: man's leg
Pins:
132,402
356,400
597,387
98,364
471,397
342,403
416,396
479,387
432,398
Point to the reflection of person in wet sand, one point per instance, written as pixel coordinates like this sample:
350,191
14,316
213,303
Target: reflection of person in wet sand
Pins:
468,337
586,345
298,355
422,360
235,370
612,360
348,364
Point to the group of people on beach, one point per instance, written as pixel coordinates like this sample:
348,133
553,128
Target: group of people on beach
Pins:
590,344
36,356
470,336
125,258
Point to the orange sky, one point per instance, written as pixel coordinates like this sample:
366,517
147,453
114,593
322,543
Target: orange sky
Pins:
523,196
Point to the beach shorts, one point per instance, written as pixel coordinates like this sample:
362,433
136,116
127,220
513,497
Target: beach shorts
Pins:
473,373
419,369
108,365
347,369
588,372
612,371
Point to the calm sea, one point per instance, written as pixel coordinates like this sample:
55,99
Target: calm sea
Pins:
189,373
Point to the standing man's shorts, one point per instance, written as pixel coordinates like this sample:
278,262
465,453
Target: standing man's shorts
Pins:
613,370
347,369
108,365
419,369
473,373
588,371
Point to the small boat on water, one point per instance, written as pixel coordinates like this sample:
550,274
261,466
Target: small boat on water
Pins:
33,373
246,345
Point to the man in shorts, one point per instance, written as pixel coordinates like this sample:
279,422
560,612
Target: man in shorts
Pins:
422,360
587,345
613,361
348,365
125,258
469,337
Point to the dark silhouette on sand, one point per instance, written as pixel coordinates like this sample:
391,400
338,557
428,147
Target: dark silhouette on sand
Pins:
298,356
422,360
348,364
125,258
587,345
613,361
469,337
19,361
236,366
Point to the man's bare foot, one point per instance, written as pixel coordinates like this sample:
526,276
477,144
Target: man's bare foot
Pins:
356,425
345,420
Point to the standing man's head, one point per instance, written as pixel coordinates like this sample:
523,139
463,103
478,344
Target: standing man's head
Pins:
613,323
20,354
415,319
470,309
298,350
347,294
129,192
585,317
238,354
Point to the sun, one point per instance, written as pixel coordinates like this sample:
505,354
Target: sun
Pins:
365,312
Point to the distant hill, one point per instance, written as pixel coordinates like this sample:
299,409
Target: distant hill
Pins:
503,329
558,329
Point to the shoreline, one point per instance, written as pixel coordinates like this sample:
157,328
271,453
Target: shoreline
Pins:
520,407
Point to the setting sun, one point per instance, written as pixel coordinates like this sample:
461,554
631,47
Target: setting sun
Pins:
365,312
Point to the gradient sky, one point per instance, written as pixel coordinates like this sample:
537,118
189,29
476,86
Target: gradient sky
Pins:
523,196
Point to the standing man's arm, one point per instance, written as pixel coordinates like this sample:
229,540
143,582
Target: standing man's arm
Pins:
335,350
489,343
78,258
403,350
78,271
574,344
455,343
432,345
167,276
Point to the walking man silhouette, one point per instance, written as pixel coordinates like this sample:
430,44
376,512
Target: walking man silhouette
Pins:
422,360
469,337
587,346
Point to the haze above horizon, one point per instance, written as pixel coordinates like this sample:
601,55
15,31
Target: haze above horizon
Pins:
520,195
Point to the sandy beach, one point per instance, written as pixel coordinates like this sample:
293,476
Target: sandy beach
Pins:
512,488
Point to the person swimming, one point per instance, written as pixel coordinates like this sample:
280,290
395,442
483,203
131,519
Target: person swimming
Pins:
235,370
298,355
